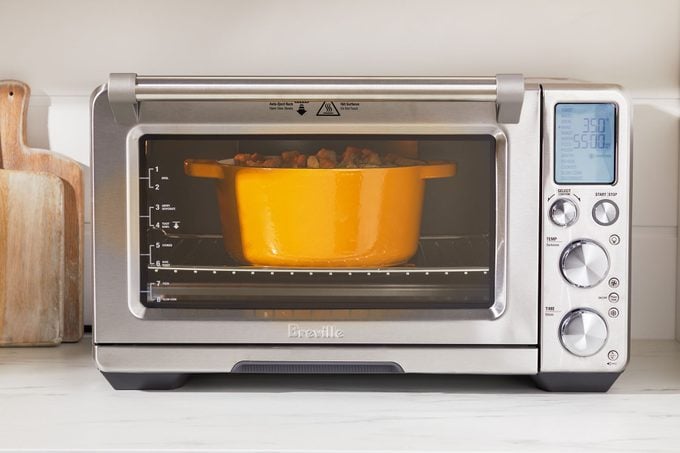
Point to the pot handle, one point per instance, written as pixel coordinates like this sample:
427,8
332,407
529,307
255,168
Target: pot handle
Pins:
438,170
203,168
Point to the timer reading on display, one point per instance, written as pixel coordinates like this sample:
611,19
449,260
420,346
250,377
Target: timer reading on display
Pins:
584,143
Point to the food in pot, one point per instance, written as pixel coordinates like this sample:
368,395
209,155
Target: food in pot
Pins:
257,160
352,157
293,159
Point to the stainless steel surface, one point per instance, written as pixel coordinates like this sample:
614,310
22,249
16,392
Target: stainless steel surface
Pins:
149,88
605,212
583,332
558,297
504,339
121,318
563,212
507,90
584,263
121,89
221,359
509,97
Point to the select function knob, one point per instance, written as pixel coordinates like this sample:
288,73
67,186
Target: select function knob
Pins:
583,332
584,263
563,212
605,212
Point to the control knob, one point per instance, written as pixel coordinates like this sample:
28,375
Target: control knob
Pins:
584,263
563,212
583,332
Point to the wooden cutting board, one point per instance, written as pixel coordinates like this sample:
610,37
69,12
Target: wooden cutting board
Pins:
32,260
15,155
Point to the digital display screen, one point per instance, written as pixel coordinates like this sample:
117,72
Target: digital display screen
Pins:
584,143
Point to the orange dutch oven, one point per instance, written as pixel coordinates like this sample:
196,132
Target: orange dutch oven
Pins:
302,217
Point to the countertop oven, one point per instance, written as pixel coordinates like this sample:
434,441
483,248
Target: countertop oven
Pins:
518,264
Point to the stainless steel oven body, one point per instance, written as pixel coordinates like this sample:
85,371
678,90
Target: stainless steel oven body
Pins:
556,278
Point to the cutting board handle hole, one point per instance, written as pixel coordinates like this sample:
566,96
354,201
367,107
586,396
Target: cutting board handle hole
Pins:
11,93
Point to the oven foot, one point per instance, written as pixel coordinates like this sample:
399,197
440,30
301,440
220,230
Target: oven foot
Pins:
575,382
146,381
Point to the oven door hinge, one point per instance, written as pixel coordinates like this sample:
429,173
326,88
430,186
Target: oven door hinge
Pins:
509,97
122,98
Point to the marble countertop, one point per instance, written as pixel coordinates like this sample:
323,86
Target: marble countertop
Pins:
55,399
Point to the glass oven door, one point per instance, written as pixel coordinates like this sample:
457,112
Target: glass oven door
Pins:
429,235
366,232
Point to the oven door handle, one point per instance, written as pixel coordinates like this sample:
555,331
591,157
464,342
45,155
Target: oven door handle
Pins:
126,90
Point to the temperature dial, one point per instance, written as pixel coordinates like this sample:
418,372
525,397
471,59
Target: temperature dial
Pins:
563,212
605,212
584,263
583,332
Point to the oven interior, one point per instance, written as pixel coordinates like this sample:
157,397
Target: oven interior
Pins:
183,263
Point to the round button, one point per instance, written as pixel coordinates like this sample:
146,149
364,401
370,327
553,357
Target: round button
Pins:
584,263
613,312
614,239
613,298
583,332
605,212
612,355
614,282
563,212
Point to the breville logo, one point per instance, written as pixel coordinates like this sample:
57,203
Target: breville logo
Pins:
328,331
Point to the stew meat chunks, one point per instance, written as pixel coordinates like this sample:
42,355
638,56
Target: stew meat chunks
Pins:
352,157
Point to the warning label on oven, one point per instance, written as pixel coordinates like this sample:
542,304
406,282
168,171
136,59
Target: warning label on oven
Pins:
330,108
299,107
326,108
349,106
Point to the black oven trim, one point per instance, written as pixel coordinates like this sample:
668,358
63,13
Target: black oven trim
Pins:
381,297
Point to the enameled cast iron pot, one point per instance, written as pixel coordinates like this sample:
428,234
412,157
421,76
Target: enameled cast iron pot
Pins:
302,217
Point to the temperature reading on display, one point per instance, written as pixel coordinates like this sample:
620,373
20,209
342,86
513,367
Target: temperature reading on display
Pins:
584,143
593,134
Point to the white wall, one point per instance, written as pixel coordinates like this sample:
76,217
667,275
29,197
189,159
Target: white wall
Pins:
64,49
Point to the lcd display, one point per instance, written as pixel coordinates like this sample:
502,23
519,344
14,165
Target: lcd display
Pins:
585,143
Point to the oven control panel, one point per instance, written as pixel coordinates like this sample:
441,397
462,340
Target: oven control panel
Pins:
585,218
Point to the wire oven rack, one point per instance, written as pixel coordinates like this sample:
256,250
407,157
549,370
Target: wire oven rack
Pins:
444,254
195,271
